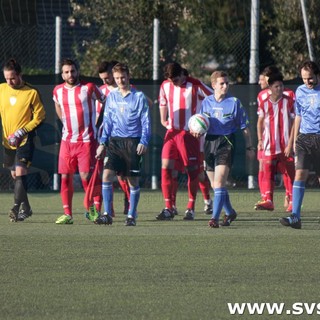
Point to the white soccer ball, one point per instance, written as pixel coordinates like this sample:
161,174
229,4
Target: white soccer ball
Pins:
199,123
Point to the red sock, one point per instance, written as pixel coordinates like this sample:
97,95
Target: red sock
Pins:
260,182
288,177
193,182
97,200
124,186
174,190
166,186
205,189
268,179
67,194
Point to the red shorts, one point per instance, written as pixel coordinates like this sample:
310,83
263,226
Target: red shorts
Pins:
178,165
278,157
180,144
76,156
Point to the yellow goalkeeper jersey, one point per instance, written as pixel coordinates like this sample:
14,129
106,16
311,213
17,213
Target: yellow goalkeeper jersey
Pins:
19,108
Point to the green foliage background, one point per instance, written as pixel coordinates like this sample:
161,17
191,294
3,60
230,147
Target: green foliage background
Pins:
202,35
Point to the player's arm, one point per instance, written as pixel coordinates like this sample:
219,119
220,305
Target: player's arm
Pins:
106,129
260,123
100,116
103,144
296,129
146,127
102,99
260,126
98,94
247,137
38,113
163,108
58,110
163,116
204,90
289,147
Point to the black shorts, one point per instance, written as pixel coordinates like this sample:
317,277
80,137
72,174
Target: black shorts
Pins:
22,156
122,157
307,151
218,150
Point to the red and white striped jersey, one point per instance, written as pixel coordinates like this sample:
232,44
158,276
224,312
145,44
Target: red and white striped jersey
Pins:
78,108
264,94
278,120
106,89
182,101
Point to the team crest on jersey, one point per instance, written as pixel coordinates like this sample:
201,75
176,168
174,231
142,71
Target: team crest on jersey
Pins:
218,113
13,100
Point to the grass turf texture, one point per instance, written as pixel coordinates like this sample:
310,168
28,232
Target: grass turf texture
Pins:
158,269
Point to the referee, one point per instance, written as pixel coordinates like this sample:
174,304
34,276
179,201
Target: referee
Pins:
125,136
306,137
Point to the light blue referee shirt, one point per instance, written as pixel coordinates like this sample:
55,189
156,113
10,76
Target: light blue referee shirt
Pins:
226,116
307,106
126,117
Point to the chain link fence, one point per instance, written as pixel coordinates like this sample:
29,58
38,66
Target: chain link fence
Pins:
27,31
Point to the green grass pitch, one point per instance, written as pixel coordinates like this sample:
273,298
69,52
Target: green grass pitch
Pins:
158,269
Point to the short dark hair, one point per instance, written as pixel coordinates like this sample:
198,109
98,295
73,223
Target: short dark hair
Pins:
69,62
275,77
103,66
12,65
172,70
267,71
310,66
106,66
185,72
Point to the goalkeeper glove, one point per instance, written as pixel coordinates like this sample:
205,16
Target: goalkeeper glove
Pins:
15,139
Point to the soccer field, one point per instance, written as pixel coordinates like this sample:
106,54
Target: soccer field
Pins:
158,269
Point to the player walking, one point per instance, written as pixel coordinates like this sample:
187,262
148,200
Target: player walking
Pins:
180,97
109,84
226,115
125,137
75,104
306,137
263,204
275,138
21,111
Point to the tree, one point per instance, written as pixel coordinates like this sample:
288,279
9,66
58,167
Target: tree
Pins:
284,35
124,32
195,33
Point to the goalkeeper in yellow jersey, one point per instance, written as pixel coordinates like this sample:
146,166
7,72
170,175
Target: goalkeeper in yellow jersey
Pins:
21,112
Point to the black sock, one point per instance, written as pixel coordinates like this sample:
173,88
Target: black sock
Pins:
20,192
